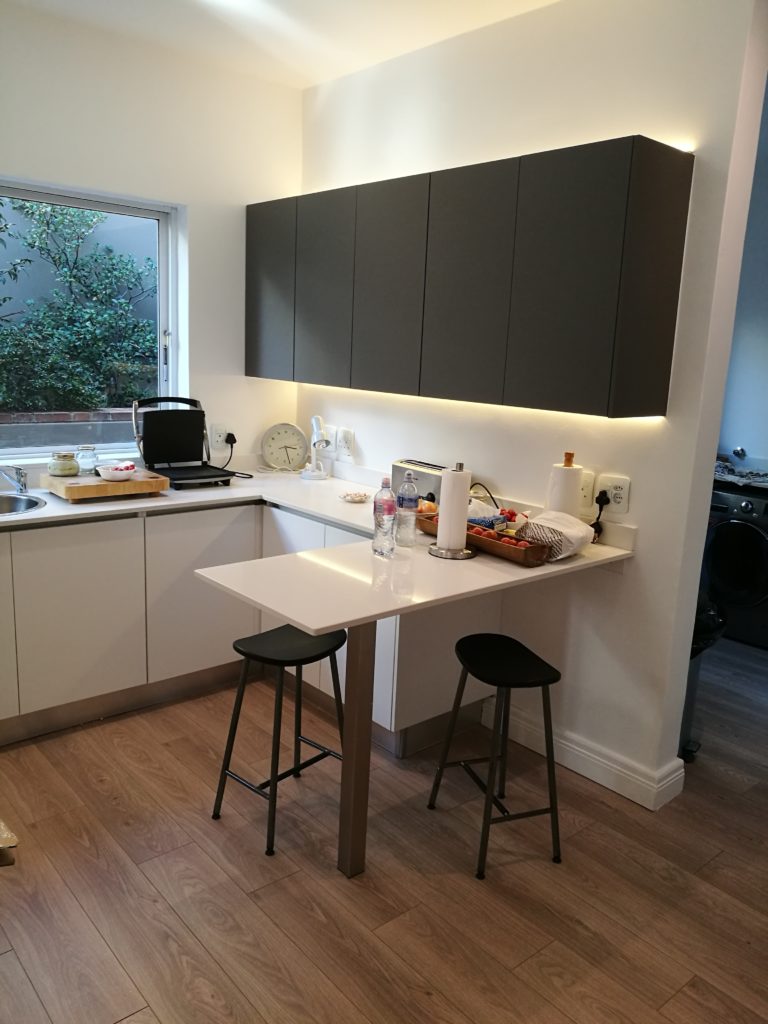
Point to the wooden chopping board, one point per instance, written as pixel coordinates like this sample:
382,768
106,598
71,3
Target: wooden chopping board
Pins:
81,488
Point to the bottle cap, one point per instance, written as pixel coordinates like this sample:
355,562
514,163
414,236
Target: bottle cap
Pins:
385,481
409,474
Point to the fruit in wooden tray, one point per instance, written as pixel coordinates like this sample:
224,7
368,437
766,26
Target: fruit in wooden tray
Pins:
425,506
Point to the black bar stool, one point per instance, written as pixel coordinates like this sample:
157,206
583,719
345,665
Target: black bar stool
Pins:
285,647
507,664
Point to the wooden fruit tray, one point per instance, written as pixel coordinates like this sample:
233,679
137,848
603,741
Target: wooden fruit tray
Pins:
81,488
536,554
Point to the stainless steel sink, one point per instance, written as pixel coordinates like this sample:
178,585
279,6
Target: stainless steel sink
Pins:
15,504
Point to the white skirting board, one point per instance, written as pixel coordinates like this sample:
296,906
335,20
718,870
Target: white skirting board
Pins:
628,778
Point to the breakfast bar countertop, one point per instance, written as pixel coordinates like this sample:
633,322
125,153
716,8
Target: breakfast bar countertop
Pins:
334,588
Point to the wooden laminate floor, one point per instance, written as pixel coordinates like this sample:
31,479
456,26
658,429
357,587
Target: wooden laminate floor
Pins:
128,903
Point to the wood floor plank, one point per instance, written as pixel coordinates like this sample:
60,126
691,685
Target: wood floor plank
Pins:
633,963
688,849
72,969
32,785
141,827
176,974
372,898
235,844
582,991
144,1016
5,943
702,1003
383,987
495,995
699,925
19,1003
741,878
264,963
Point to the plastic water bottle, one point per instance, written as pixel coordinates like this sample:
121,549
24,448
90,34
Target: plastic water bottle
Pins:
407,504
384,520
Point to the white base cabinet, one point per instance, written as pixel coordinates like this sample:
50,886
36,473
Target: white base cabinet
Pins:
284,533
80,611
416,668
191,625
9,680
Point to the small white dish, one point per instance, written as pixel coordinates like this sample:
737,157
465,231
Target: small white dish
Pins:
355,497
115,473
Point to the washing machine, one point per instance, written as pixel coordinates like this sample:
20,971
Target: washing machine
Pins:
735,567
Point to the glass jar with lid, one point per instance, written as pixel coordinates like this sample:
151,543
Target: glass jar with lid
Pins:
87,458
63,464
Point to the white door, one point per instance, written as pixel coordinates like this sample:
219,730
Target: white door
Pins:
386,640
9,681
284,533
191,625
80,611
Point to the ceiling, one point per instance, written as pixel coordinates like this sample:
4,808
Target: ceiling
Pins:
293,42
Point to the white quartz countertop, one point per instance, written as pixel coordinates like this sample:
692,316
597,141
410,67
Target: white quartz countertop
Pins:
317,498
332,588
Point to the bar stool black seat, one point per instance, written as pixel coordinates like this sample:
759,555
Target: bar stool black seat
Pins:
285,647
503,662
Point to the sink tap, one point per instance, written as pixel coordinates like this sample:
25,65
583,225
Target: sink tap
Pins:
17,476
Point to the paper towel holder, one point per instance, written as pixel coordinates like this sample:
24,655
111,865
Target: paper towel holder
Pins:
455,554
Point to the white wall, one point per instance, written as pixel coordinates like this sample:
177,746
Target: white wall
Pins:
744,423
579,71
91,111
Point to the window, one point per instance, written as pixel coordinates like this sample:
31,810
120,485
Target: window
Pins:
83,319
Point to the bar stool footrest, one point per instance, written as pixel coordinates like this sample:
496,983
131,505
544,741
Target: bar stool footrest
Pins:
480,783
261,788
521,814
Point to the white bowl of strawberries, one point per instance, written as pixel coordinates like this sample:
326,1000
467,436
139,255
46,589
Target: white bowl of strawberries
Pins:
117,471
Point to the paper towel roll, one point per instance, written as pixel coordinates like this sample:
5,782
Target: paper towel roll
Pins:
564,490
454,500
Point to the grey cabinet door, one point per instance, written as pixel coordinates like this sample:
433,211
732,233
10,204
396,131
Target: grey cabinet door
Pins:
325,238
270,271
390,248
469,268
654,240
572,206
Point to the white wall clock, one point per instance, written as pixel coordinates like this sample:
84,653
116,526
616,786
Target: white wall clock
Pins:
284,446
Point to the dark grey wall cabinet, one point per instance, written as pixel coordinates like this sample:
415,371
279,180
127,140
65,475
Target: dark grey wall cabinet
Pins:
270,271
469,270
390,249
325,241
547,281
598,253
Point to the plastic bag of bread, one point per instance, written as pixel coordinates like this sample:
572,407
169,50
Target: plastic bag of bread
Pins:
566,535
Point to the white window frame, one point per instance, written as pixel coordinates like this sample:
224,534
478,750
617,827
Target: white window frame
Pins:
167,218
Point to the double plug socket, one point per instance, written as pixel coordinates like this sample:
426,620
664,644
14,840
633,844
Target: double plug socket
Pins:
617,488
342,443
614,484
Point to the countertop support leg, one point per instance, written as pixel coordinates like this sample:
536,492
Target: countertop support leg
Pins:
355,768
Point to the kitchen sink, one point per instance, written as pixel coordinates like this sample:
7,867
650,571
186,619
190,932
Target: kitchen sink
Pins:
15,504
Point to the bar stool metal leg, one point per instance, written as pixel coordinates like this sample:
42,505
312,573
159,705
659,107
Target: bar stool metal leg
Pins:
337,695
501,792
551,774
297,724
275,763
448,737
498,719
230,739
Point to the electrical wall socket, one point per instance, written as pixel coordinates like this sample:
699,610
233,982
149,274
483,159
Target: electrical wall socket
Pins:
618,491
345,444
587,490
217,436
